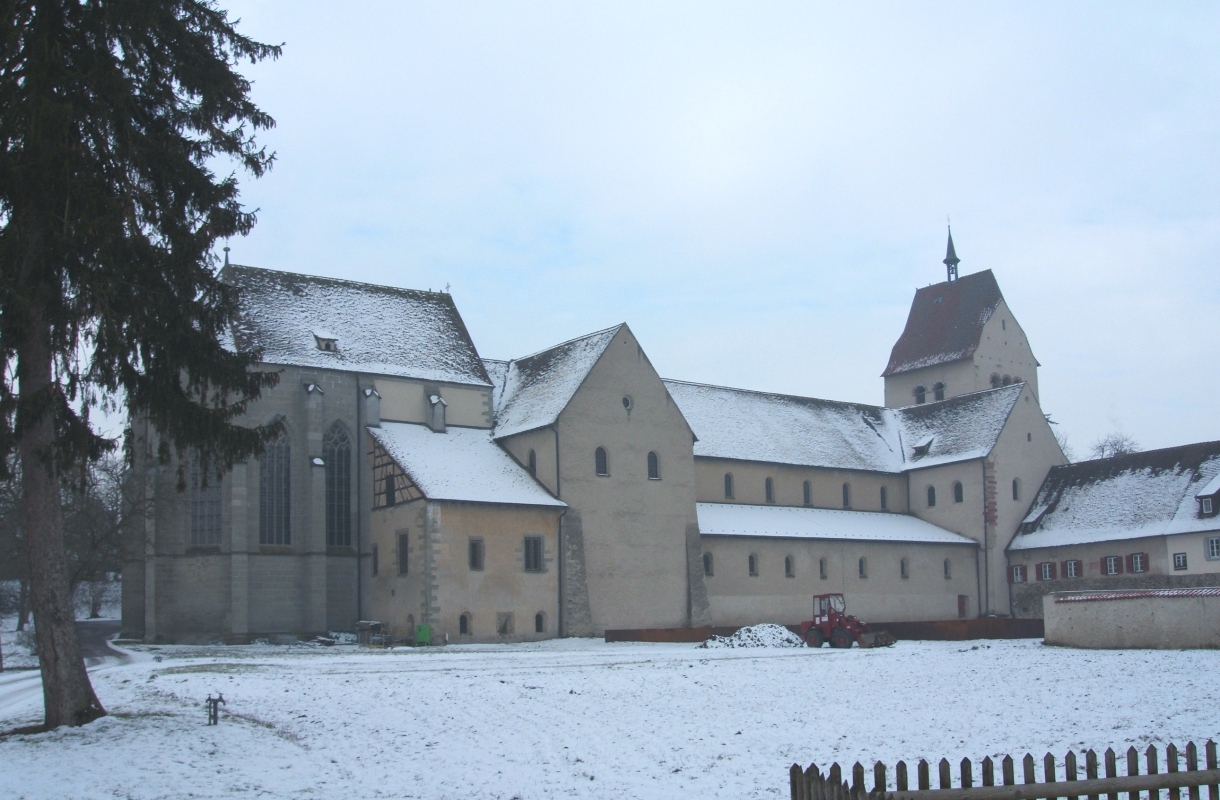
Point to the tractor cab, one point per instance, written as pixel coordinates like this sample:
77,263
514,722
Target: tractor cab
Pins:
825,604
832,624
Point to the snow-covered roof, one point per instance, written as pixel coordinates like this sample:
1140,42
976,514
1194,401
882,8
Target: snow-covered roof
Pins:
378,330
460,464
536,388
1125,497
784,429
787,522
945,323
1211,488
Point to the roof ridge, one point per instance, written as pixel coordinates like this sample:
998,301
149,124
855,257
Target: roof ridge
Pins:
569,341
329,279
1137,455
775,394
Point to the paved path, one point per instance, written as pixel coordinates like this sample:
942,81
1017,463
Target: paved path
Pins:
19,686
94,635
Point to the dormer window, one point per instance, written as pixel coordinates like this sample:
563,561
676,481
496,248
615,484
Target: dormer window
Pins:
326,341
1206,506
923,446
1208,497
436,413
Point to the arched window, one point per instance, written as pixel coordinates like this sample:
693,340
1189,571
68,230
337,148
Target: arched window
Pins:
789,567
885,500
337,455
769,488
728,486
921,394
601,464
1006,381
808,493
904,569
1016,379
959,494
931,496
532,463
847,495
654,467
274,499
995,380
822,568
707,564
205,507
948,569
1016,488
539,623
753,564
862,567
938,390
464,625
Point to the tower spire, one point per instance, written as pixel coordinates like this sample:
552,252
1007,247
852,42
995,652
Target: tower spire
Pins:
951,260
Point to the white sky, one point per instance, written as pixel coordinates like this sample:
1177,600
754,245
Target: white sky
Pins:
758,188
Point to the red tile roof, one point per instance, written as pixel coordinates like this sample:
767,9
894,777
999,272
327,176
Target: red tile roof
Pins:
945,323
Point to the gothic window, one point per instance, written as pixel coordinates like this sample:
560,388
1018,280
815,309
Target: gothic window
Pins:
601,464
539,623
205,507
789,567
532,463
654,467
847,495
337,454
753,565
769,489
728,486
959,494
274,499
464,625
921,394
931,496
938,390
808,493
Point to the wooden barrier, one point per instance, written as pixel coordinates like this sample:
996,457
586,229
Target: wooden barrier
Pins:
811,784
956,630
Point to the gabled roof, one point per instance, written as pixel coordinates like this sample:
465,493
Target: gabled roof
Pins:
784,429
461,464
787,522
378,330
536,388
1124,497
945,323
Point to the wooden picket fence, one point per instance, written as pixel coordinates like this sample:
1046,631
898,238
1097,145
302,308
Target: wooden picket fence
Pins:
1058,781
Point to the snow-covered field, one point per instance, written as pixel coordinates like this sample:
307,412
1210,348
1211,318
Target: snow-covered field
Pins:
581,718
18,646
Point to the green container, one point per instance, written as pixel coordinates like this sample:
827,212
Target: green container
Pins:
423,634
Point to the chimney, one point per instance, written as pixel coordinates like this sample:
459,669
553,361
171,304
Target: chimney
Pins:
436,413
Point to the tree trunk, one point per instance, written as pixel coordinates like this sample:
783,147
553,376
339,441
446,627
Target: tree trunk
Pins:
68,696
23,605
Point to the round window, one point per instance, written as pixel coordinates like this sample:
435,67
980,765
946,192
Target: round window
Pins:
627,402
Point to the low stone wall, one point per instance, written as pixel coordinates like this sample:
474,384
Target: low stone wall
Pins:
1027,597
1159,619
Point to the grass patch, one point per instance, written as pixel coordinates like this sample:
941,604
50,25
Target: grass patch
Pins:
224,668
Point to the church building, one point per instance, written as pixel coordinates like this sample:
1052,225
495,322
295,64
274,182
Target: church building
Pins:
573,491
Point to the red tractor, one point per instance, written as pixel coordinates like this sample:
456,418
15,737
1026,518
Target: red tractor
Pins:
830,624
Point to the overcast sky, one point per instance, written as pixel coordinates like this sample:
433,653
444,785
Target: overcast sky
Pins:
759,188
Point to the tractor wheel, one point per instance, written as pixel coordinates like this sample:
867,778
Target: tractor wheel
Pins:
814,638
840,638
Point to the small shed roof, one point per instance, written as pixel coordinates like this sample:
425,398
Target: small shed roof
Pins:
379,330
534,390
1125,497
945,322
787,522
460,464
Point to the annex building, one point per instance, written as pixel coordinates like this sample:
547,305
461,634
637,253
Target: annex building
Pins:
575,490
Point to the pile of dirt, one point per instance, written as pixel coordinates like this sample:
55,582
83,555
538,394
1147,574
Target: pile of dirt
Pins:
766,635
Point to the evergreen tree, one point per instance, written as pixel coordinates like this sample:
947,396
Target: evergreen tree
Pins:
113,114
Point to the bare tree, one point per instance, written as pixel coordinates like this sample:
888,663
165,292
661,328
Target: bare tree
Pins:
1062,438
1114,444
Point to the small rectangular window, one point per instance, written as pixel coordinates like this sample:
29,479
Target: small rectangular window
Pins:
1072,568
475,555
1139,562
404,553
374,561
822,568
533,554
1112,565
1046,571
1018,573
1213,548
884,500
1179,561
1207,505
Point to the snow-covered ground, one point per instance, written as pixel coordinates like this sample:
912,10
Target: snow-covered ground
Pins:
581,718
18,646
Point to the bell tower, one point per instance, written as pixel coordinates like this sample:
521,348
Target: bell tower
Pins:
951,260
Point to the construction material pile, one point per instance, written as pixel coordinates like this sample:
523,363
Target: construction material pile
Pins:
765,635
